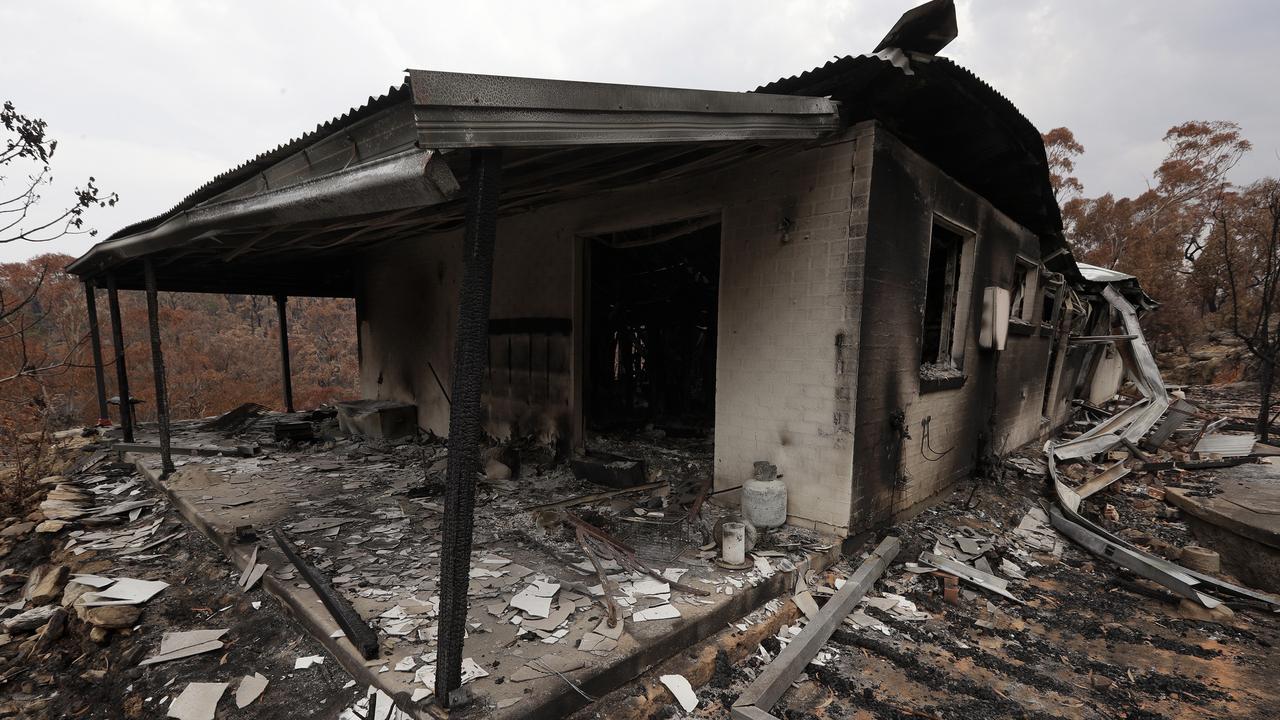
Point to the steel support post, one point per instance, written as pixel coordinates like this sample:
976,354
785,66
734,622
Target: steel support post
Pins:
157,363
470,356
95,344
117,345
286,374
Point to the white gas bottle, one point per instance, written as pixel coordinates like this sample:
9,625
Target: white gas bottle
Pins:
764,497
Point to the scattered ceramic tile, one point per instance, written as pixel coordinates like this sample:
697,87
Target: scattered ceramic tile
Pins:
591,642
125,591
198,701
682,690
661,612
612,633
471,670
176,645
552,620
806,603
649,586
251,686
305,662
94,581
535,600
543,666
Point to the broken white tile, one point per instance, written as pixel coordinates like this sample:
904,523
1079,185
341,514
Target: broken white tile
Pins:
175,645
125,591
612,633
471,670
1012,570
406,664
649,586
94,581
806,603
198,701
307,661
682,690
674,574
661,612
251,686
535,600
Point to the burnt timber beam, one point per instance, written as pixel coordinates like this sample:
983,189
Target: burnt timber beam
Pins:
286,374
95,345
122,373
157,365
469,363
356,630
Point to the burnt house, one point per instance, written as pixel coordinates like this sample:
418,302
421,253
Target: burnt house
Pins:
857,273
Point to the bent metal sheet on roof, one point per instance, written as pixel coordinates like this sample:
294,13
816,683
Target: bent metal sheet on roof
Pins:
283,222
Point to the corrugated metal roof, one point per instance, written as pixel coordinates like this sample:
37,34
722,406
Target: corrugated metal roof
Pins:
224,180
954,119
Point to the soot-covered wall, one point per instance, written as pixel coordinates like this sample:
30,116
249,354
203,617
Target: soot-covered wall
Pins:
914,437
792,226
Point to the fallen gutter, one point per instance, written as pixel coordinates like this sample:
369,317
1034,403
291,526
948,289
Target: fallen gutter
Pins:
768,687
1127,427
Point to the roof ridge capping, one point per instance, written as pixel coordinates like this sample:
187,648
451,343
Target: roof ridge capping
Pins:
435,88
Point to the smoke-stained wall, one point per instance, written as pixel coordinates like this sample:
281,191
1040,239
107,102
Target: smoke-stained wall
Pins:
915,435
786,331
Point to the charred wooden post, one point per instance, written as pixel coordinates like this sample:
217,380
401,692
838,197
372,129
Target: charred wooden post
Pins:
157,363
95,344
122,373
286,374
469,359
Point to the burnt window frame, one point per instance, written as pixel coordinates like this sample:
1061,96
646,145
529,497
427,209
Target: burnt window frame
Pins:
952,340
1053,283
1026,286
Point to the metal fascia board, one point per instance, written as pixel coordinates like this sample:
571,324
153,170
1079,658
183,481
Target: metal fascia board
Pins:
447,128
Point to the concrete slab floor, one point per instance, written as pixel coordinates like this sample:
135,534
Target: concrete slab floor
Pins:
347,506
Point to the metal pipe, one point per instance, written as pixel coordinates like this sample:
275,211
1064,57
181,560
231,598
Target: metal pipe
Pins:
469,360
117,344
286,374
157,364
95,344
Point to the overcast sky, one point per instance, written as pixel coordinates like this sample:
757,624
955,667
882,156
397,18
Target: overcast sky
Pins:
155,98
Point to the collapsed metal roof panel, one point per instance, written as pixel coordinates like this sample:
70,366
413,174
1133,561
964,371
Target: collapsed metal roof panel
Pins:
235,175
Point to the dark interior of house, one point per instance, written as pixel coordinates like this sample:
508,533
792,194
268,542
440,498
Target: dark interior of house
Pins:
651,308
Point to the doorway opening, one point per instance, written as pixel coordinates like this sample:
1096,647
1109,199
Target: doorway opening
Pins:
651,306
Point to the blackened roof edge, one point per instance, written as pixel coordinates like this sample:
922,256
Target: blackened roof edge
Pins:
222,181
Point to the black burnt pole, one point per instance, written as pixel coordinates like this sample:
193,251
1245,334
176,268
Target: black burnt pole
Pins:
95,344
286,374
157,363
470,355
117,344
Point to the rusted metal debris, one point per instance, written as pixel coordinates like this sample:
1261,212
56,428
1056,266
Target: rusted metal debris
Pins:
606,545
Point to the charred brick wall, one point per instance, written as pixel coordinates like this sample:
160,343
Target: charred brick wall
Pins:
912,437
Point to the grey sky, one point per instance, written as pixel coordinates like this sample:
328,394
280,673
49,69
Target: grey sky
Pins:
154,98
